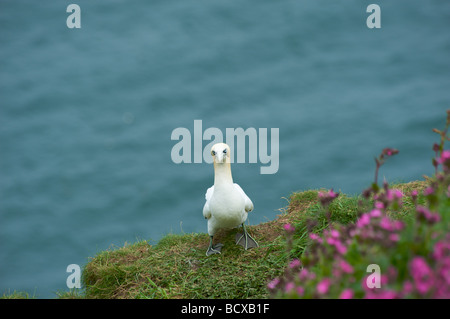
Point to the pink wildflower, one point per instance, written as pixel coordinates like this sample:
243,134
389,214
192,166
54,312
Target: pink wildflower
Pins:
394,194
323,286
397,225
289,228
407,287
289,287
364,283
346,294
441,249
315,237
295,263
379,205
425,214
398,193
386,224
428,191
346,267
394,237
444,272
300,291
271,285
304,274
422,274
332,194
445,156
363,220
334,233
390,225
328,197
340,247
376,212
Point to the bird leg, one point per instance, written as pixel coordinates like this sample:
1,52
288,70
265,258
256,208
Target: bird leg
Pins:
213,249
245,240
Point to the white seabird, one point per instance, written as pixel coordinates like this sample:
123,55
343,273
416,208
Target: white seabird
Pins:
227,205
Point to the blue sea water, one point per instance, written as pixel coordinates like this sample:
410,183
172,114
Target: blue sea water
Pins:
86,115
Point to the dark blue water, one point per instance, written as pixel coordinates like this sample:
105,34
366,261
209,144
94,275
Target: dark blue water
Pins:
86,115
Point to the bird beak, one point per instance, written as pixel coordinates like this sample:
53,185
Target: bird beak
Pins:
221,157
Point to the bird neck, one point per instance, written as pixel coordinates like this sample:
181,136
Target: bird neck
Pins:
222,174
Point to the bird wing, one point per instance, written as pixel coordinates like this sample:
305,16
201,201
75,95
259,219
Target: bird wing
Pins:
247,200
206,209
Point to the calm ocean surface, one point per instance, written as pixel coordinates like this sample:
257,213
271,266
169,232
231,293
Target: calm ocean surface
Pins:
86,115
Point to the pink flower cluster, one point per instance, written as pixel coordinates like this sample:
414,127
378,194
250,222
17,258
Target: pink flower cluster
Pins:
426,215
393,197
333,239
415,253
289,228
326,198
376,226
424,279
432,279
424,275
445,158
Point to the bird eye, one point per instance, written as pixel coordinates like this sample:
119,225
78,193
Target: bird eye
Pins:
213,153
225,151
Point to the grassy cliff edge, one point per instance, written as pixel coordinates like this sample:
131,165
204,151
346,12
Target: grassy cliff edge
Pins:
177,266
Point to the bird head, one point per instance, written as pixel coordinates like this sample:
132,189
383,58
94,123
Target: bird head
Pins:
220,153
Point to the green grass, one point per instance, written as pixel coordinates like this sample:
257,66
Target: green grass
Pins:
177,266
17,295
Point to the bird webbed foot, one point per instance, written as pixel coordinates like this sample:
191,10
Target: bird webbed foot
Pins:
213,249
245,240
